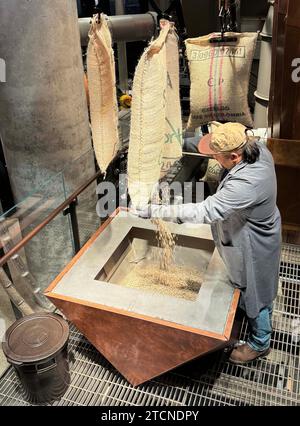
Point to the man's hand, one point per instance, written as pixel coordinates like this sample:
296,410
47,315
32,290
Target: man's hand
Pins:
143,212
150,211
165,212
178,213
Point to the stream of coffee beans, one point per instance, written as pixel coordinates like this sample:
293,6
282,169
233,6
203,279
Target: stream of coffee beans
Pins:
166,241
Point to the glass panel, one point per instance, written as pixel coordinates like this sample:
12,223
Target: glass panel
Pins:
17,222
30,212
35,266
87,218
78,171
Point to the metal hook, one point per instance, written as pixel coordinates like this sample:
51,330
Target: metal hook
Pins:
98,10
224,15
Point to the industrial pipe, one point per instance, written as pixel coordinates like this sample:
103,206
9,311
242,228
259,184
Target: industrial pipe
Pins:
44,117
122,53
124,27
264,73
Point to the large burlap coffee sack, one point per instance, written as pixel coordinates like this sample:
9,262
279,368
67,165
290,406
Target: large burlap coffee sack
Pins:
219,74
102,92
172,150
147,129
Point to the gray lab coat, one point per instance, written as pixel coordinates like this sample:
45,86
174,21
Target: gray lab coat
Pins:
246,228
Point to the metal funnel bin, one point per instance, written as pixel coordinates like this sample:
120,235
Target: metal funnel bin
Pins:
145,329
135,263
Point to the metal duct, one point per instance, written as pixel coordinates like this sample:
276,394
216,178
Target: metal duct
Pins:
264,74
44,117
122,54
124,27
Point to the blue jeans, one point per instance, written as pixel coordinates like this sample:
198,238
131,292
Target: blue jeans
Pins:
261,330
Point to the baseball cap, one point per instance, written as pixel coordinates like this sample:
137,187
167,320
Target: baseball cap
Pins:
227,137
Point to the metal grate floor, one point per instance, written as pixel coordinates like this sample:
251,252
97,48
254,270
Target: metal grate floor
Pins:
212,380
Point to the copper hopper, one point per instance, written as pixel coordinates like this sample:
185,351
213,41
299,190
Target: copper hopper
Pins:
144,330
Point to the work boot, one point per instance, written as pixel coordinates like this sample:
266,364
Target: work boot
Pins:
244,354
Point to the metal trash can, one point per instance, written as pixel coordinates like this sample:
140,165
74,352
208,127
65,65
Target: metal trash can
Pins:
37,347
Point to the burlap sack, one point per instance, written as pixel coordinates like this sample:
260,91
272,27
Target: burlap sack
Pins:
219,74
214,168
102,92
147,130
213,171
172,150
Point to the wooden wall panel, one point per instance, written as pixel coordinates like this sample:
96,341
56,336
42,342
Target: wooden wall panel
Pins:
276,90
284,110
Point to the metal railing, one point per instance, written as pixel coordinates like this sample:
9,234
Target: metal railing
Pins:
19,303
67,207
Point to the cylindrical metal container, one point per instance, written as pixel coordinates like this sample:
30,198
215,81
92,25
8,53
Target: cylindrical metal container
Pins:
261,112
264,74
36,346
267,30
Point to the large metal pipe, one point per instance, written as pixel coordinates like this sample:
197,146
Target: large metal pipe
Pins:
264,72
44,117
124,27
122,54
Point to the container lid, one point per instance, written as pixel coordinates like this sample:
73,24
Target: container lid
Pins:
35,337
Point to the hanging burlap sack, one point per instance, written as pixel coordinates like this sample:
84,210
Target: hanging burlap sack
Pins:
102,92
172,150
147,130
219,74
